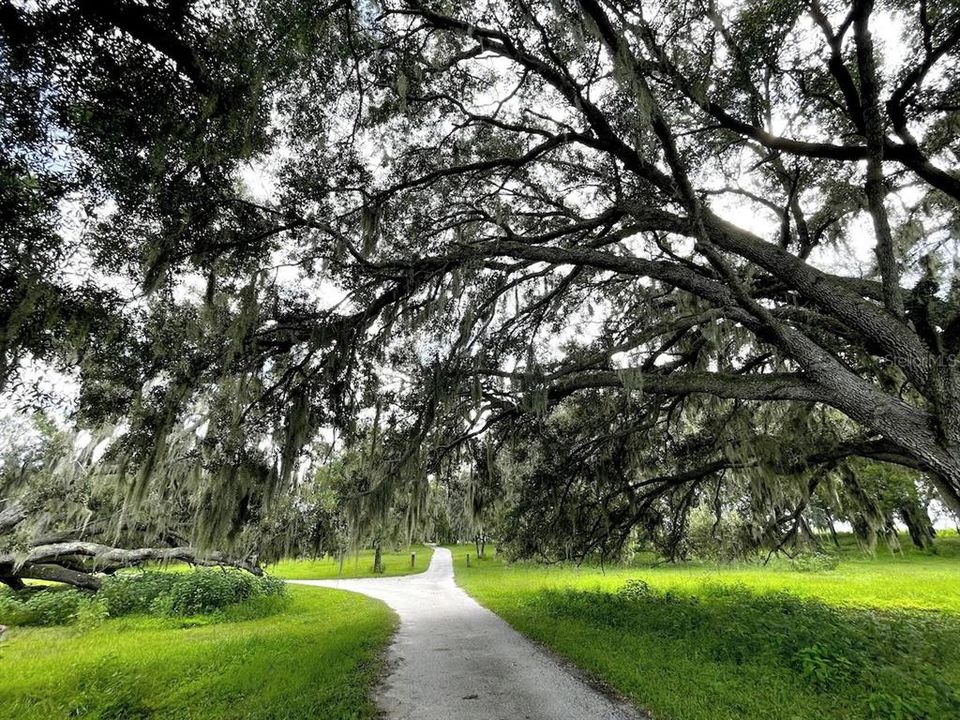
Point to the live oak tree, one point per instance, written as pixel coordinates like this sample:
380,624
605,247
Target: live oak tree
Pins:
124,126
650,255
62,521
694,176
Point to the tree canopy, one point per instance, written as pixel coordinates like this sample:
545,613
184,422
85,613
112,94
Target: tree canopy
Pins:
611,260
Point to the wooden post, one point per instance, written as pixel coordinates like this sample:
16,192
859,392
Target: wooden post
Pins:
413,559
468,559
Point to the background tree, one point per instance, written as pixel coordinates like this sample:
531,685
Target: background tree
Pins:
64,522
134,259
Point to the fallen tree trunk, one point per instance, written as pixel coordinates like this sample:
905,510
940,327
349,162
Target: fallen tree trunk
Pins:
105,556
60,574
11,516
82,564
14,583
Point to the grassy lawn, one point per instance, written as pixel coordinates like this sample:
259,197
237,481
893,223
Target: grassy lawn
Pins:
875,638
314,657
354,565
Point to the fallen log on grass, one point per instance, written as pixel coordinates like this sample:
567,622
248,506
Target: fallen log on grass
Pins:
82,564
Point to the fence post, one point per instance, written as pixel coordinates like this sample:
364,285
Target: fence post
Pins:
413,559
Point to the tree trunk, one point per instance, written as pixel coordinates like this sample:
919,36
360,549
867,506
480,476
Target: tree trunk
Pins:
378,559
14,575
866,536
14,583
105,557
918,525
58,573
833,531
82,563
11,516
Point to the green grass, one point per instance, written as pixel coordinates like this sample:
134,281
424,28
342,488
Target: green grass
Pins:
313,656
355,564
875,638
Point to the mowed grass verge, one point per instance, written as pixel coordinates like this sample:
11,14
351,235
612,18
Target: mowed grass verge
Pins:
875,638
354,565
314,656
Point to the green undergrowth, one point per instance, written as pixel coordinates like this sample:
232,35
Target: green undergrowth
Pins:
354,564
860,637
312,655
198,592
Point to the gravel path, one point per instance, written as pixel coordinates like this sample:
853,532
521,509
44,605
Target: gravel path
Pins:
455,660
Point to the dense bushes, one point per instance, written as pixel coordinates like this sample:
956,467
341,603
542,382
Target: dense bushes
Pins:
894,656
206,592
190,593
135,593
196,592
46,607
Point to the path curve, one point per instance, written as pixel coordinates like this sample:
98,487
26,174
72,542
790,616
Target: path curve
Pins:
453,659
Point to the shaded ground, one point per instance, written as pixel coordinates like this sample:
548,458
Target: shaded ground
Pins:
454,660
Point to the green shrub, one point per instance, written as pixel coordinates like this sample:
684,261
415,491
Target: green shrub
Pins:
44,607
128,593
92,613
201,591
204,591
11,609
56,607
635,589
272,586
